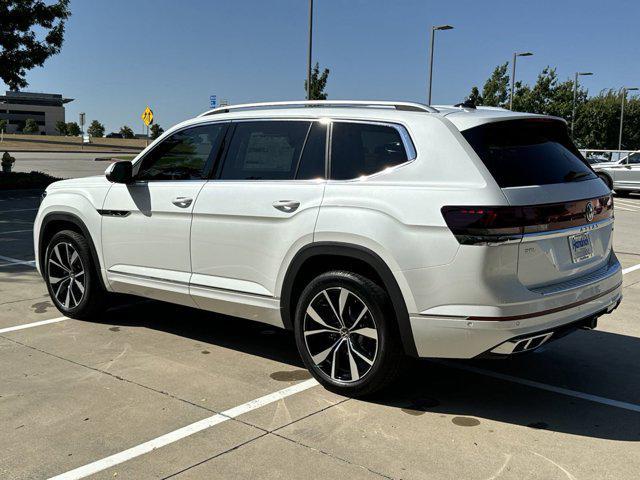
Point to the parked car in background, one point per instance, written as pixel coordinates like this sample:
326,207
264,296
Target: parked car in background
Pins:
372,230
623,176
115,135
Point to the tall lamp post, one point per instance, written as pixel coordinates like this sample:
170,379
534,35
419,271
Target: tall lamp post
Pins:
513,75
624,99
575,96
433,31
310,47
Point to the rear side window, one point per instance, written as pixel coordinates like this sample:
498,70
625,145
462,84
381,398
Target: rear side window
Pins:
359,149
528,152
265,150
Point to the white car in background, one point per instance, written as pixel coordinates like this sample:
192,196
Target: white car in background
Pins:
372,230
623,176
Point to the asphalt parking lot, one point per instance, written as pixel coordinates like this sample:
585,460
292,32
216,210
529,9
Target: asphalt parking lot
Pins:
151,390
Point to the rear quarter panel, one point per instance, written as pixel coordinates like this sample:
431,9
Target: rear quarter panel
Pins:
396,213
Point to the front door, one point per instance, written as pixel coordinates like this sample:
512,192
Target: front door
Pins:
250,220
627,175
146,224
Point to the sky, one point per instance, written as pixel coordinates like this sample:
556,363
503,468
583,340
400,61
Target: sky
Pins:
121,55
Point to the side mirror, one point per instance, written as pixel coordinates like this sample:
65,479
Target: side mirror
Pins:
119,172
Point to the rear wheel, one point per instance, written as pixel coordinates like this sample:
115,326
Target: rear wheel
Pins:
71,276
346,334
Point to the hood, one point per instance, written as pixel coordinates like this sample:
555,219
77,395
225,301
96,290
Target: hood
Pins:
96,181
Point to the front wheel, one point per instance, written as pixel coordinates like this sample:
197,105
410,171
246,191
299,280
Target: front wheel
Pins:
71,276
347,335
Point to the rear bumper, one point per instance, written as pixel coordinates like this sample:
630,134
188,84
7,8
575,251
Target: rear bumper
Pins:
467,331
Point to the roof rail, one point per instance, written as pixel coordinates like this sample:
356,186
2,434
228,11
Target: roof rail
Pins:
406,106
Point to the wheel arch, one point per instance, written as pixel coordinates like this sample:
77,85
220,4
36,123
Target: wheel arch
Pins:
608,179
57,221
323,256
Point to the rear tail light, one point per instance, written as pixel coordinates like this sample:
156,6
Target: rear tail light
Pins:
473,225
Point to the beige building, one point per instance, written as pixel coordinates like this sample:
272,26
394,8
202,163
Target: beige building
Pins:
45,108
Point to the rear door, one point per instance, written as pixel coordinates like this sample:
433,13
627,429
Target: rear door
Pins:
260,209
538,167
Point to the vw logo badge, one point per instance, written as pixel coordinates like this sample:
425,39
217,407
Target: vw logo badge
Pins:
589,212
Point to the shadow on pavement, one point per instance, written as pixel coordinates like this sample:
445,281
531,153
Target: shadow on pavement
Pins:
593,362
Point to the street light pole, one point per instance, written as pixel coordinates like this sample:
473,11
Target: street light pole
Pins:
513,74
575,95
310,47
624,99
433,34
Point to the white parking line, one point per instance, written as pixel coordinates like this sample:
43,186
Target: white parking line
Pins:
543,386
618,207
632,205
183,432
18,210
16,231
15,261
31,325
630,269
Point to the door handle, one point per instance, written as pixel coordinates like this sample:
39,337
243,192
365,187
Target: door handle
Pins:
286,206
182,202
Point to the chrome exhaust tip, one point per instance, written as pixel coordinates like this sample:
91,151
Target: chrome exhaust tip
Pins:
522,344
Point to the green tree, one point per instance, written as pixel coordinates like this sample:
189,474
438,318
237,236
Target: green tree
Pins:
73,129
30,127
156,131
495,91
3,125
30,32
61,128
318,83
96,129
127,132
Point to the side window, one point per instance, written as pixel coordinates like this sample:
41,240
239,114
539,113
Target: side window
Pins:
265,150
312,162
634,159
359,149
184,155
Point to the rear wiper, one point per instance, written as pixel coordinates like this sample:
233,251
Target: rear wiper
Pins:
573,176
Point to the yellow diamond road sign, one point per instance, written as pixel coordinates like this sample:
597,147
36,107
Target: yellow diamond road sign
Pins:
147,116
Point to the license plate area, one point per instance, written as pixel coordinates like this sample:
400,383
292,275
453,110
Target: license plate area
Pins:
581,247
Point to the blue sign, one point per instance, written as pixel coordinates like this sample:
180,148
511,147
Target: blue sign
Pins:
213,101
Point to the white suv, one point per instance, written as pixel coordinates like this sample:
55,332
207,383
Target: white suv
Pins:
373,230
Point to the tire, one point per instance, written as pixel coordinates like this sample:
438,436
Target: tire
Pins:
349,361
71,276
606,179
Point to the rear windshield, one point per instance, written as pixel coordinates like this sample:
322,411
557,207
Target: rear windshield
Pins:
528,152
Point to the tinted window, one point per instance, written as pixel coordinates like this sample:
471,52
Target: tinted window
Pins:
267,150
363,149
312,162
634,159
525,152
182,156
